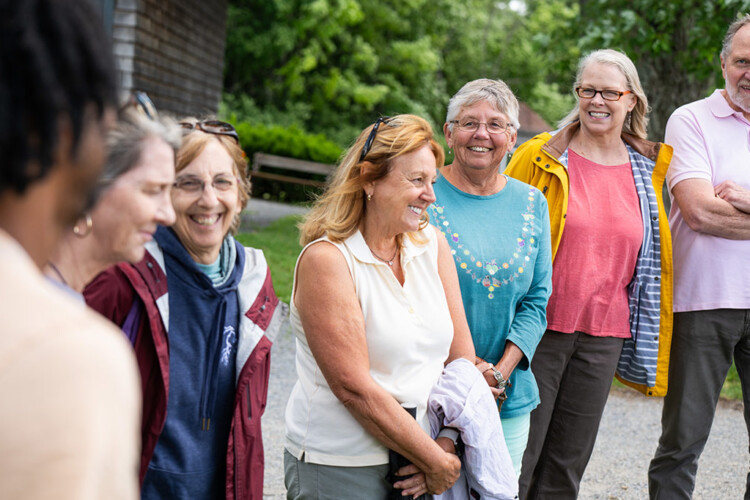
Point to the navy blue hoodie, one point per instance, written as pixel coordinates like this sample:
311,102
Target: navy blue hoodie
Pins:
190,456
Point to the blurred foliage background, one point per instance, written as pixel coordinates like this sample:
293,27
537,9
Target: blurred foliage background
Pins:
304,77
325,69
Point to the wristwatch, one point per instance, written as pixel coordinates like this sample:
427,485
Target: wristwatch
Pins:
501,382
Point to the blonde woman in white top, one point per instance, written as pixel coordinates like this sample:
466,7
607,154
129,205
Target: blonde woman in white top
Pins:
377,313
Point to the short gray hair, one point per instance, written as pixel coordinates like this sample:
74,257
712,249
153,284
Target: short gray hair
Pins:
639,116
495,92
726,46
125,143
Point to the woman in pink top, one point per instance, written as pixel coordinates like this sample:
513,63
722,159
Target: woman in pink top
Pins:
611,275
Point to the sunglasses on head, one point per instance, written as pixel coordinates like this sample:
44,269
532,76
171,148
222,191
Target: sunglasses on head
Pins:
142,104
216,127
371,137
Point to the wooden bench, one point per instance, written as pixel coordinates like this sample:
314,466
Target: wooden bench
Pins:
292,165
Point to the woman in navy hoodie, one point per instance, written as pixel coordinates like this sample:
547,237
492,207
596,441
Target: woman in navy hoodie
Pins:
201,313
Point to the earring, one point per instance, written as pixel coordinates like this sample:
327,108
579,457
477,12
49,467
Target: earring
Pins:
89,225
627,119
369,197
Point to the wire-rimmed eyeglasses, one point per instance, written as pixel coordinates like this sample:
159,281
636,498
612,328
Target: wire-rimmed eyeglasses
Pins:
193,184
493,127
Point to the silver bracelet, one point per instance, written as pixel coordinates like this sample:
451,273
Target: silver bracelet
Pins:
501,382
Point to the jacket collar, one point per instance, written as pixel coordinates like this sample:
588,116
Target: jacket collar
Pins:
560,141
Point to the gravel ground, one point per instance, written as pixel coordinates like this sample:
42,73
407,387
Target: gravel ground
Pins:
627,438
618,469
283,377
260,213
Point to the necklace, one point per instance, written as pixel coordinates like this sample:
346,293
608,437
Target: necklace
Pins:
58,273
387,261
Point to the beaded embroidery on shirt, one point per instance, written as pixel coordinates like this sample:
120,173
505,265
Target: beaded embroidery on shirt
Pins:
497,272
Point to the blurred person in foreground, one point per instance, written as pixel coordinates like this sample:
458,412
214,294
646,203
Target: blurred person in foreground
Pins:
377,314
611,302
709,182
201,313
498,230
133,201
69,386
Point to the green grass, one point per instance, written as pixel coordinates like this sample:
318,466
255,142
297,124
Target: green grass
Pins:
731,389
279,242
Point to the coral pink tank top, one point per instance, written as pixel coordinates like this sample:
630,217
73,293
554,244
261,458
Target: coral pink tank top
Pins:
598,250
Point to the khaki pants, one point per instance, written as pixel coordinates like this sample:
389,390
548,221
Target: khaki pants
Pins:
306,481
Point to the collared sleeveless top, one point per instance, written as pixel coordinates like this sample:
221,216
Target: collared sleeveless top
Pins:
408,331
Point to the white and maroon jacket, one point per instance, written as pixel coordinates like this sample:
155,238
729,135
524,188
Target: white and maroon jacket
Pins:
113,293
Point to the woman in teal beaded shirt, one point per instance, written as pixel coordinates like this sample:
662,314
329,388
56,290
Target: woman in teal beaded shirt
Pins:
499,233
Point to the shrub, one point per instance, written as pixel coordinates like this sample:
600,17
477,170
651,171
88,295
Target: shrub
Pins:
289,141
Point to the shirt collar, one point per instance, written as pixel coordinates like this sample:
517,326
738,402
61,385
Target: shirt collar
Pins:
719,105
409,249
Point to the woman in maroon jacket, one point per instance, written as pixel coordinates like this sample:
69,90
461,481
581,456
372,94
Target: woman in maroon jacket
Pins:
201,313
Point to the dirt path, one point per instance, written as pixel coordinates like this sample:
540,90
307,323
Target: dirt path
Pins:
627,438
618,469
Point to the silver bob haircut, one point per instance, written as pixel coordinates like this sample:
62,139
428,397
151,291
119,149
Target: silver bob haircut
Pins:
495,92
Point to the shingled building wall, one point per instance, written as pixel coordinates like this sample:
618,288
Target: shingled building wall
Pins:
173,50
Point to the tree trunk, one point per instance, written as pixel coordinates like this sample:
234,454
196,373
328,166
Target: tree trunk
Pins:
668,87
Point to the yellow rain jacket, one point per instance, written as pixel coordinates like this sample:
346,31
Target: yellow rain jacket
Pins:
537,162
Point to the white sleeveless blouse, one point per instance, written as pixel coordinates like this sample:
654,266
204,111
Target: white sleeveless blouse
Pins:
408,331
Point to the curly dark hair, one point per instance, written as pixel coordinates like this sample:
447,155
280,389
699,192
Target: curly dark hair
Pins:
55,60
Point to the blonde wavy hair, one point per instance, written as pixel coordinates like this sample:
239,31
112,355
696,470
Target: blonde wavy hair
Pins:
338,212
195,141
639,116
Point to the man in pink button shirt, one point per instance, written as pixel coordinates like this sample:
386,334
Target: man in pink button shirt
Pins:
709,181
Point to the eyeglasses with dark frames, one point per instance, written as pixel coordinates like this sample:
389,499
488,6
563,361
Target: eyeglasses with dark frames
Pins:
607,95
215,127
371,137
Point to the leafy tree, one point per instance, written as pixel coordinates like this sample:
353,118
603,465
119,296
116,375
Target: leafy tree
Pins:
333,66
674,44
336,64
283,54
